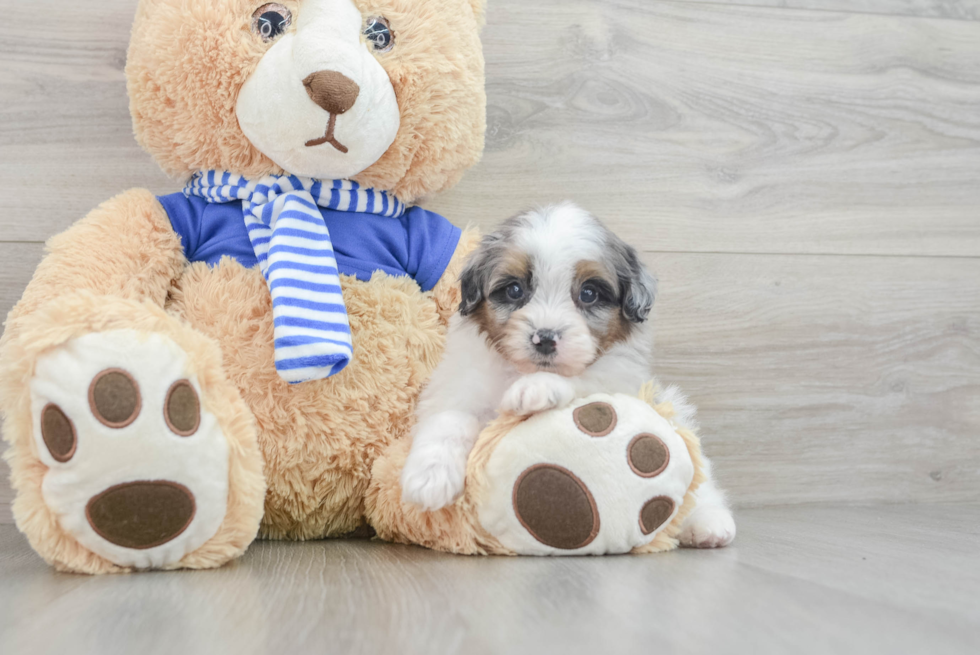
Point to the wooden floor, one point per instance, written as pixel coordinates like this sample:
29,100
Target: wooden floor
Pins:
804,177
802,579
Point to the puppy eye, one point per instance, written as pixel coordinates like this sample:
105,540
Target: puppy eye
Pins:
378,33
588,295
515,291
271,20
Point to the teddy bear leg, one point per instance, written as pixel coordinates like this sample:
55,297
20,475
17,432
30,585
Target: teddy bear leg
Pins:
606,474
129,448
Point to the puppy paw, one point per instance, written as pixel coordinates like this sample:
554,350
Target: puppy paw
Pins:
708,526
435,469
536,393
432,479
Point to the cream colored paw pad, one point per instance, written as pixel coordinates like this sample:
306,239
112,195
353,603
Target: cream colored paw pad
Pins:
604,475
137,465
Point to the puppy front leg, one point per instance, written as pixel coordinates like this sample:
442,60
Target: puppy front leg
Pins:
537,392
435,470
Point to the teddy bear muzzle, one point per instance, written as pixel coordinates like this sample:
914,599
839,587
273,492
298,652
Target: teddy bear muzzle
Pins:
319,103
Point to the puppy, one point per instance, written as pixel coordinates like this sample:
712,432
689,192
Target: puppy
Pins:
554,307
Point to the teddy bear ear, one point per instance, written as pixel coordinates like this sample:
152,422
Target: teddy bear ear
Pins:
479,10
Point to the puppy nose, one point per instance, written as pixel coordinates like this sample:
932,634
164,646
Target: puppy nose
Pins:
333,91
545,341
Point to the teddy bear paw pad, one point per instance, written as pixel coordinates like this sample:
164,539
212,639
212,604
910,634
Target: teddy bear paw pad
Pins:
137,465
604,475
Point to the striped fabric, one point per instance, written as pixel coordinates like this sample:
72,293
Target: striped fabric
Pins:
292,244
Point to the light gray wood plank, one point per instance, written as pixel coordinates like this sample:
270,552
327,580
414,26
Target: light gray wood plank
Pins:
6,496
845,379
66,141
6,493
718,128
854,550
828,378
803,580
695,127
952,9
689,128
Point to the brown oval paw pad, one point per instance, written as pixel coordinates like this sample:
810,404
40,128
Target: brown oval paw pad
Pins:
556,507
58,433
182,410
648,455
143,514
655,513
595,419
114,397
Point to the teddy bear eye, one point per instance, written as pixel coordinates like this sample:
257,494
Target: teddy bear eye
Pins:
378,33
271,20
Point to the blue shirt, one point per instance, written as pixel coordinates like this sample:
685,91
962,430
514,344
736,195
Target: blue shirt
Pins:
418,244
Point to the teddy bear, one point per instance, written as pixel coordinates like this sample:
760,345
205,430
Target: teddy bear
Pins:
188,372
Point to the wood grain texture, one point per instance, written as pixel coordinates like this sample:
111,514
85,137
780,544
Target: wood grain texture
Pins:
952,9
819,378
66,138
6,496
898,579
6,493
758,155
714,127
828,378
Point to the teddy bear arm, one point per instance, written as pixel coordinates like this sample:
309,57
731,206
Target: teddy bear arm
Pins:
124,248
128,445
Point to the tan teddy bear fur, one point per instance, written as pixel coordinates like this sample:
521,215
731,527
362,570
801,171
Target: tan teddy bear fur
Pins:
122,267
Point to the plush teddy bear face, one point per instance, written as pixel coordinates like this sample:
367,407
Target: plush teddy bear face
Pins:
386,92
342,115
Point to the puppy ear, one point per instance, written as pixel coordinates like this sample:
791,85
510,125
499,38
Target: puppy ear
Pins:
642,293
476,274
472,291
637,286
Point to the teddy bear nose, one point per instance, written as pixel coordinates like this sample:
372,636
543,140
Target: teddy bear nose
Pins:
333,91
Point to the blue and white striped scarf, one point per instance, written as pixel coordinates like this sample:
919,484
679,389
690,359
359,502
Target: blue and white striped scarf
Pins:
292,244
